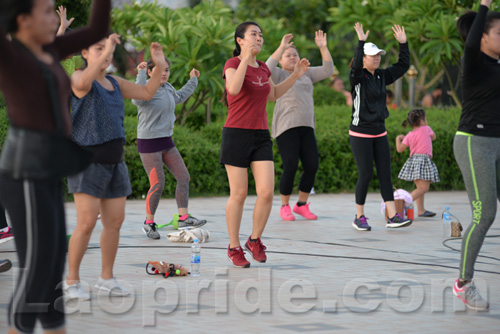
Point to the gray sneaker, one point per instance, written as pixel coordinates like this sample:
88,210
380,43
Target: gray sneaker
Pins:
112,287
150,231
470,296
191,222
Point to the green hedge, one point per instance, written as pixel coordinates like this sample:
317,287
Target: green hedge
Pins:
199,146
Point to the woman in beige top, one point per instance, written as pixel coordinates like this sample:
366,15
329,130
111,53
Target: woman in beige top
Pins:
293,122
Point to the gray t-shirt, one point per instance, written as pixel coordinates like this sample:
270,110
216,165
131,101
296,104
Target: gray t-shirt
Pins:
157,116
296,107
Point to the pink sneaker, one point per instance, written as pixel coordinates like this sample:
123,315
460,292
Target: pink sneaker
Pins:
304,211
286,213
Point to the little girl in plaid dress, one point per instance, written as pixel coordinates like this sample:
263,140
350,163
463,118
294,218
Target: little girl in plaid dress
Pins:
419,167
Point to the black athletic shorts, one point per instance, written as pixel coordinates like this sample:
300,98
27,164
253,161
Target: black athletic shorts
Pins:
242,146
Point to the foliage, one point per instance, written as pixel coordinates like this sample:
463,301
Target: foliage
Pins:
198,37
337,170
323,94
430,26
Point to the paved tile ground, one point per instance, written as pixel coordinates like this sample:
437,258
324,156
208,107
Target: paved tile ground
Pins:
321,277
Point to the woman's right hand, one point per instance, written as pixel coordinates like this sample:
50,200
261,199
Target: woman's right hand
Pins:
249,51
301,67
111,42
362,36
142,66
285,41
157,56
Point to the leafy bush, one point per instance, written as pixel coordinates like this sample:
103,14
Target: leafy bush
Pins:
337,169
323,94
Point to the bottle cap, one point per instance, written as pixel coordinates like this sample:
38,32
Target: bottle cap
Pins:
447,208
177,272
195,240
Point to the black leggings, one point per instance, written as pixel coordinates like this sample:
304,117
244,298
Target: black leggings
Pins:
3,219
365,151
294,144
36,210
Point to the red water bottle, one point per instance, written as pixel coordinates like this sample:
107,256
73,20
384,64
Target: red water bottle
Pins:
410,214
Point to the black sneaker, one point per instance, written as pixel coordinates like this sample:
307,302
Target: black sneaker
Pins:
398,221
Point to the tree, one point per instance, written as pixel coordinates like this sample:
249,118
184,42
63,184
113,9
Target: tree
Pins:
430,26
198,37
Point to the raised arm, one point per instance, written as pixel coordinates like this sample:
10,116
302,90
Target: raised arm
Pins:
187,90
357,64
82,38
141,80
273,60
63,19
472,52
236,77
397,70
319,73
146,92
81,81
278,91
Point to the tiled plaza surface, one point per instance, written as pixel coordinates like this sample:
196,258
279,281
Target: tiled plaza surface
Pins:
321,276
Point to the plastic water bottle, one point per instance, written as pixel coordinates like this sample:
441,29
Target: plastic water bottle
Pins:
410,213
447,222
195,258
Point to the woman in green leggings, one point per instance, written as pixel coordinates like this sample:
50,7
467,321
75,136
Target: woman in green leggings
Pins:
477,142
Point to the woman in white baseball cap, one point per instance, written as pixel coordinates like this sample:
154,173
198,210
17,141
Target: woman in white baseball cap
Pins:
367,133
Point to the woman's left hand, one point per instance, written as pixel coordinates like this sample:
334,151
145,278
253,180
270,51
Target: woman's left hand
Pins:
399,33
301,67
194,73
320,39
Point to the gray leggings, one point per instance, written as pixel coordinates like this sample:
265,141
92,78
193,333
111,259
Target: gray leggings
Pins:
153,164
479,160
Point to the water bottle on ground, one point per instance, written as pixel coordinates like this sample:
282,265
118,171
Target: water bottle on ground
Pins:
410,213
447,222
195,258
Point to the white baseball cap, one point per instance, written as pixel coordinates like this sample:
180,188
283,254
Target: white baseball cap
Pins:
371,49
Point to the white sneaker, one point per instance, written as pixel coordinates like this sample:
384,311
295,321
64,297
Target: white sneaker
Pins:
111,286
75,291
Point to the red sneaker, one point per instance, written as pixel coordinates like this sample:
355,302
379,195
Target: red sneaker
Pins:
256,250
286,213
304,211
237,257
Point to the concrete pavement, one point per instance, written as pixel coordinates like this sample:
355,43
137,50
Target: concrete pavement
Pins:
321,276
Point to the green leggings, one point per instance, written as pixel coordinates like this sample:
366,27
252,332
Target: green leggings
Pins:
479,160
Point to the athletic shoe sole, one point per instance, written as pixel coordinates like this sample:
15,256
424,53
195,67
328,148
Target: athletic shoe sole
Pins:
467,304
361,228
245,266
397,225
111,292
6,239
251,255
190,227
